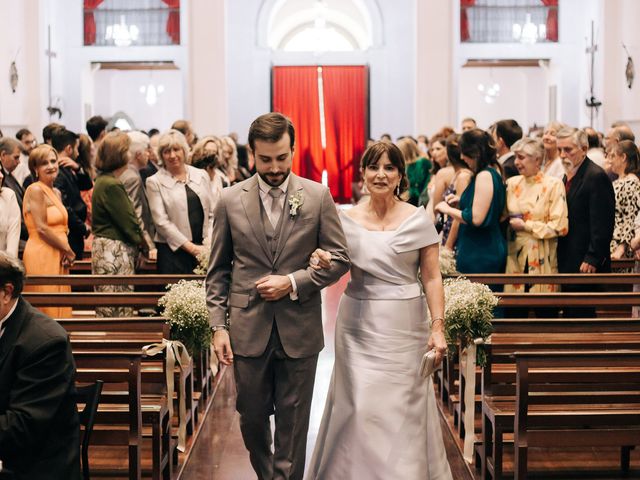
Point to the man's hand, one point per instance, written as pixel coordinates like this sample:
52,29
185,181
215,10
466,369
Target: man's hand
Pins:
587,268
67,162
222,347
274,287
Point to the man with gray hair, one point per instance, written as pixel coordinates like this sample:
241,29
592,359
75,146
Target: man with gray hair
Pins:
39,428
9,162
130,178
591,202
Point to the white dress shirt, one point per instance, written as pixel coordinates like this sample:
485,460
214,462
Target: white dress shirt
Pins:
10,221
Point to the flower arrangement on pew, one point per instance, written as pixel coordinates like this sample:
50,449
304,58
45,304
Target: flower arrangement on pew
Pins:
185,308
468,313
447,259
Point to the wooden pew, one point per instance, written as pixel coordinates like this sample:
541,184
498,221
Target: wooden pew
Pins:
597,408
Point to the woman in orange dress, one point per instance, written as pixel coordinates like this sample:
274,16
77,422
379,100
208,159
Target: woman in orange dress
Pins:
47,251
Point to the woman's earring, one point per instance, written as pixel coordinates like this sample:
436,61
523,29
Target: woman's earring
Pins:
398,190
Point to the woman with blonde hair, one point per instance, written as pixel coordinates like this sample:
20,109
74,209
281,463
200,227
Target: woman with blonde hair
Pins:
418,171
552,163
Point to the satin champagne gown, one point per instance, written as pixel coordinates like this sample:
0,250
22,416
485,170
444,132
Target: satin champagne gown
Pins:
381,420
39,257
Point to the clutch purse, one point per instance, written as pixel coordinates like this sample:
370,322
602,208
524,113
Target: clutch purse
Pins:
428,363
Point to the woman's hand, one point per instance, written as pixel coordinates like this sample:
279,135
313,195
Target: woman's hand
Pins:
320,260
517,224
442,207
68,257
618,253
437,341
452,199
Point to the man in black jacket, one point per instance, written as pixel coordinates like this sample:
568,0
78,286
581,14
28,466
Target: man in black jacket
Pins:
506,133
70,180
591,203
39,429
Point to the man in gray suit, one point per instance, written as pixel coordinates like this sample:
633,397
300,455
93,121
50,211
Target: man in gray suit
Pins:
264,298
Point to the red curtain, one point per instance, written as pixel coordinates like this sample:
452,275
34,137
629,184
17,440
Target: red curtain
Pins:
295,94
90,21
173,23
464,19
345,101
552,20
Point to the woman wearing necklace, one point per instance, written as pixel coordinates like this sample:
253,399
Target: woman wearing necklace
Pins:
380,419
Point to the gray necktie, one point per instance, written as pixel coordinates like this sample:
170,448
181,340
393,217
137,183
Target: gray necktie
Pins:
276,207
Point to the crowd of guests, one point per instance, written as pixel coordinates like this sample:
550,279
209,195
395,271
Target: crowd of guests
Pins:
558,200
125,196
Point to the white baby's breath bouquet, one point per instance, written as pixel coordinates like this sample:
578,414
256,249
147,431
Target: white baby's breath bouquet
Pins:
447,259
185,308
468,313
203,258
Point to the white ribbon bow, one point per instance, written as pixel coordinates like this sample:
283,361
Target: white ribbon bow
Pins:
176,353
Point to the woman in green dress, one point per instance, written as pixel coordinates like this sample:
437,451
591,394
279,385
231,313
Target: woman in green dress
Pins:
418,169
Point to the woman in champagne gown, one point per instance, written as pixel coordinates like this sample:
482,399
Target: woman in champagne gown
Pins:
381,420
47,251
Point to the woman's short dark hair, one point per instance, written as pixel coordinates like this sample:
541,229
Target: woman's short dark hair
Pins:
112,152
11,271
630,150
480,146
373,154
271,127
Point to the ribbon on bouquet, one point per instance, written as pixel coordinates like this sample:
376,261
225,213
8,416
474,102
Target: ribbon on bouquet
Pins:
176,353
468,366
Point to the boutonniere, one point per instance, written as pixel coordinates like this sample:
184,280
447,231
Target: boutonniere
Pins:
295,202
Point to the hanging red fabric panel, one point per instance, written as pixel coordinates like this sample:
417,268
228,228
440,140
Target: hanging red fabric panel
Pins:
464,19
345,109
173,22
295,94
90,21
552,20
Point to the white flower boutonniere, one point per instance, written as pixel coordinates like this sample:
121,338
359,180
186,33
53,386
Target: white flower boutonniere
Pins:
295,202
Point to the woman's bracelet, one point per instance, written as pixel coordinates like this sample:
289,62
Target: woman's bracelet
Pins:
434,320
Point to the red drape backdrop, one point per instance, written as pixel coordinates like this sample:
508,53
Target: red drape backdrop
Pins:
345,101
173,22
295,94
552,20
464,19
90,21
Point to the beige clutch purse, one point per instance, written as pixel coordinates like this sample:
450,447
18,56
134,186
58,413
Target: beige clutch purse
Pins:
428,363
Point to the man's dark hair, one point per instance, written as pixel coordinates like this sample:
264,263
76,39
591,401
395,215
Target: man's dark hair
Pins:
95,126
22,132
271,127
509,131
47,131
11,271
61,138
592,137
152,132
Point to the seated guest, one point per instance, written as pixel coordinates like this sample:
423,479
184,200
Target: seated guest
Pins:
180,201
9,160
9,220
116,229
47,251
591,204
624,162
552,163
537,211
481,245
39,429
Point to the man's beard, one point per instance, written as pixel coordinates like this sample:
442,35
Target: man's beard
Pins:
275,180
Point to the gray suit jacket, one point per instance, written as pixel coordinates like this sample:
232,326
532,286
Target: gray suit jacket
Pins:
240,256
132,182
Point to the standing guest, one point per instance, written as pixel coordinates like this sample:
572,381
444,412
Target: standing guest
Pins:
624,161
591,202
552,164
39,428
47,251
154,164
537,209
418,171
481,245
206,156
264,299
468,124
459,183
442,173
185,128
505,134
27,143
10,220
635,246
180,201
86,160
595,152
71,180
116,227
9,161
47,131
97,129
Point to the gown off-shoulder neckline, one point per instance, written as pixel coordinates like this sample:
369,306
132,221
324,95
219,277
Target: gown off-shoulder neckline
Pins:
399,227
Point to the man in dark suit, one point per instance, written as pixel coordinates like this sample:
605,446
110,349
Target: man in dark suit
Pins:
70,180
591,202
506,133
259,279
39,429
9,161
